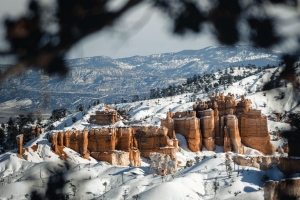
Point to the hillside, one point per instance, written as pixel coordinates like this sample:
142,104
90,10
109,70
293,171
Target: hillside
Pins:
207,179
112,79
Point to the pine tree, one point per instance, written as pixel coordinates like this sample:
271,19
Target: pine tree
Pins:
12,132
2,136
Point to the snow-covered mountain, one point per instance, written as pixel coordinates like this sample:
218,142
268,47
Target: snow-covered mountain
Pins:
112,79
207,179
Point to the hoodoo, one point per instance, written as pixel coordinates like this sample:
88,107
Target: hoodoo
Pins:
221,121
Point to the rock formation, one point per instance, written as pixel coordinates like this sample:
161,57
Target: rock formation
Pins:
187,124
286,165
113,157
229,123
284,189
162,164
222,121
105,117
153,139
207,124
253,127
121,146
19,139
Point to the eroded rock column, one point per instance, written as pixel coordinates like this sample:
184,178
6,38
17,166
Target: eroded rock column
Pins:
19,139
84,140
54,144
207,126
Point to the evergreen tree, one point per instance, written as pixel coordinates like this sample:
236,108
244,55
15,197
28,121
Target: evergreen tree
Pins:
2,136
12,132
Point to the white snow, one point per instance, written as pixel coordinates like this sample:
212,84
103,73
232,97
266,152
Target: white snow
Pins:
100,180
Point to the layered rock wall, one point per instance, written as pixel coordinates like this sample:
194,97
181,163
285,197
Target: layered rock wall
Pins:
114,157
254,131
169,124
207,125
229,123
124,139
243,105
244,125
104,139
190,129
106,117
153,139
116,144
284,189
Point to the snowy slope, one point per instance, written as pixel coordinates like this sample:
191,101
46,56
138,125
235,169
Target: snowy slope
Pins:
98,180
111,79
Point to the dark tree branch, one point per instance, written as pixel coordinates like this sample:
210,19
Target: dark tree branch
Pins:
25,34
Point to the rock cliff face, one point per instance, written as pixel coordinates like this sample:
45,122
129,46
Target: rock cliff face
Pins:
106,117
120,146
207,125
113,157
227,122
190,129
187,124
284,189
162,164
254,131
153,139
222,121
114,145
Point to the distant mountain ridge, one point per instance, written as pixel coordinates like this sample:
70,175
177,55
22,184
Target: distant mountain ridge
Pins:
112,79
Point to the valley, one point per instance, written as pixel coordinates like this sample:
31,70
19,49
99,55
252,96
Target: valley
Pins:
95,153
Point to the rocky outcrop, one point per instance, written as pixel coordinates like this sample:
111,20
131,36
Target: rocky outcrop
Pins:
102,140
286,165
169,124
116,144
153,139
224,104
232,139
243,105
284,189
54,142
207,125
134,157
187,124
19,139
227,122
253,127
106,117
162,164
189,127
113,157
101,144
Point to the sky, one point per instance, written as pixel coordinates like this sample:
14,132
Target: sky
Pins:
142,31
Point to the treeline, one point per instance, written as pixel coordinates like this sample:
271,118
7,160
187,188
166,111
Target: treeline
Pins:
14,126
207,82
